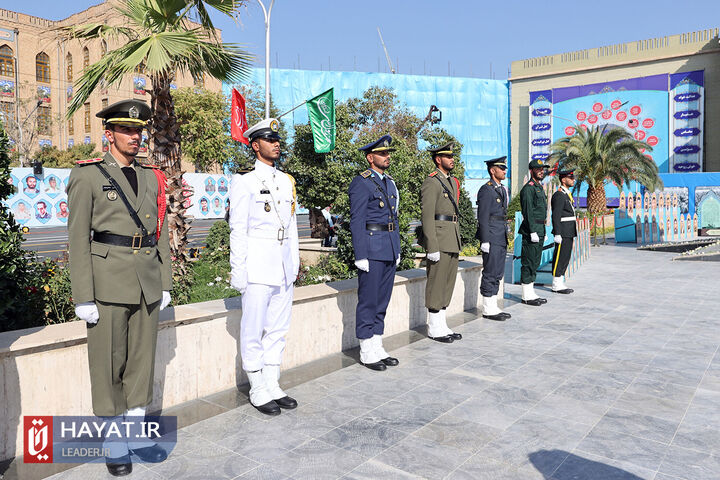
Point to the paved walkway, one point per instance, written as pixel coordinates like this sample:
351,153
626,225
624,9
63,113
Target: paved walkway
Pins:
620,380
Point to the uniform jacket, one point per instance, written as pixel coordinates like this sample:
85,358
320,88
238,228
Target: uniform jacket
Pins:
562,207
440,235
534,209
256,254
492,214
369,204
111,273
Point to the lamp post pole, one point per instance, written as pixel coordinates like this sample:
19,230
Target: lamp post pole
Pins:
267,13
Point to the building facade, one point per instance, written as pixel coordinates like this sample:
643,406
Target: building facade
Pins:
37,67
669,55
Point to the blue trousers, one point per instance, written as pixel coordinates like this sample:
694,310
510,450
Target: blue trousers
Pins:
374,291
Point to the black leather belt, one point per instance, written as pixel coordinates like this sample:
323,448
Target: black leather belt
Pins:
498,217
540,222
447,218
380,227
135,242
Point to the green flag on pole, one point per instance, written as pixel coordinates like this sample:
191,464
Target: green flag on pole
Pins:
321,110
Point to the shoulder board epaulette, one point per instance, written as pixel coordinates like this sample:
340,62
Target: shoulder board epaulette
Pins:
433,173
490,183
88,161
149,165
366,173
531,183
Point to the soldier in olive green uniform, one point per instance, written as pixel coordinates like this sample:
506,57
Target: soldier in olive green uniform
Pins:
534,211
441,239
120,272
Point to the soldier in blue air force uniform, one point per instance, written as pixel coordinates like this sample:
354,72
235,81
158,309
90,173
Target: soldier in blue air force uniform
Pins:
374,203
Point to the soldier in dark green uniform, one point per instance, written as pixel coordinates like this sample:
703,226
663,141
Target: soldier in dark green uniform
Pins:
120,273
441,239
534,211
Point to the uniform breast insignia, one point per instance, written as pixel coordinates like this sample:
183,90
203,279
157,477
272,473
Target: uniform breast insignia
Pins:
112,195
382,204
366,173
445,195
88,161
267,206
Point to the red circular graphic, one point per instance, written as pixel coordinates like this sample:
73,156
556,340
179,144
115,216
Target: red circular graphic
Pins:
621,116
569,131
633,123
607,114
635,110
597,107
615,104
639,135
581,116
584,127
652,140
648,123
592,119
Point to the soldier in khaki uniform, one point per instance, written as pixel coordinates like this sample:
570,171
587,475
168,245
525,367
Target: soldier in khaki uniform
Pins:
120,273
441,239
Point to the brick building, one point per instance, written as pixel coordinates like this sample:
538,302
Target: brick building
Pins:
35,64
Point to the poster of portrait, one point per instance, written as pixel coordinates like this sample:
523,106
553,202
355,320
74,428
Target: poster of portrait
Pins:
139,85
7,88
207,200
39,200
43,93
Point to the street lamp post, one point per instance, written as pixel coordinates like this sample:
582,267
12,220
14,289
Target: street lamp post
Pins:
267,13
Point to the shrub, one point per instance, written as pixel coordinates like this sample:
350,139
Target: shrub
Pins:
218,237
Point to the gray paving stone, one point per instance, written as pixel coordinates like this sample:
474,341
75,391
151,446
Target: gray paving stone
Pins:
458,432
210,462
644,426
375,470
690,464
364,437
625,448
316,460
593,467
424,458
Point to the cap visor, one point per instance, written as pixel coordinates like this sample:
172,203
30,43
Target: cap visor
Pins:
127,122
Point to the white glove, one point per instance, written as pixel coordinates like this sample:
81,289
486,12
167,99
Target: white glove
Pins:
239,281
433,257
87,311
165,300
397,262
485,247
534,238
558,239
363,265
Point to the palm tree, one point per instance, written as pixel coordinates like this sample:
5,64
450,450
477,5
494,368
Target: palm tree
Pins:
605,154
163,37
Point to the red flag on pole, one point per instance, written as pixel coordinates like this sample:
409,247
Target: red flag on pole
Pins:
238,122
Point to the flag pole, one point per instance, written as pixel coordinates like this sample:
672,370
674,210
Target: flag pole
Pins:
292,109
267,13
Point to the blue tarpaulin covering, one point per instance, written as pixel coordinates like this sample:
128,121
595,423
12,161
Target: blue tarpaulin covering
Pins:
474,110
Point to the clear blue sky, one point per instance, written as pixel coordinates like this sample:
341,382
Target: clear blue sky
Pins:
422,36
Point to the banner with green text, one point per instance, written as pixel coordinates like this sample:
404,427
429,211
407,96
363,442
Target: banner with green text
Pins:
321,110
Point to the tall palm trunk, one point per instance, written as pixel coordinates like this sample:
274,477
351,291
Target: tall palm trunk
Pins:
165,151
596,205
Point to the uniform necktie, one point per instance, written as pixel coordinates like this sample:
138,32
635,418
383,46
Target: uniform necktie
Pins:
131,176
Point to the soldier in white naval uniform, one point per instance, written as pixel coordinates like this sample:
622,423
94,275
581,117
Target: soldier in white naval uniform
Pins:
264,260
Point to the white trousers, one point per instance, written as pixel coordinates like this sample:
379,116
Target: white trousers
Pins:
266,314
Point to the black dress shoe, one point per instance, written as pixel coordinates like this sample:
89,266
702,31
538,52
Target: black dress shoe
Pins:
152,454
391,361
270,408
564,290
286,402
505,314
456,336
445,339
535,302
119,467
498,318
542,300
379,366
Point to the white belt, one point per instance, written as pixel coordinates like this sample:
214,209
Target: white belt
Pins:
567,219
269,234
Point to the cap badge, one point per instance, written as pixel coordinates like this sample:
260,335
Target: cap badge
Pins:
274,126
134,112
386,143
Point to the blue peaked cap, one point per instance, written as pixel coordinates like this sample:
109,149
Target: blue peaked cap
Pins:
380,145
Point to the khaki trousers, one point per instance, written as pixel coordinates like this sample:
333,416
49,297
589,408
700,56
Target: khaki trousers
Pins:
121,355
441,278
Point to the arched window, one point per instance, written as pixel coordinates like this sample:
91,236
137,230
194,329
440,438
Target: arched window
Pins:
7,64
86,58
103,47
71,126
69,68
42,67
